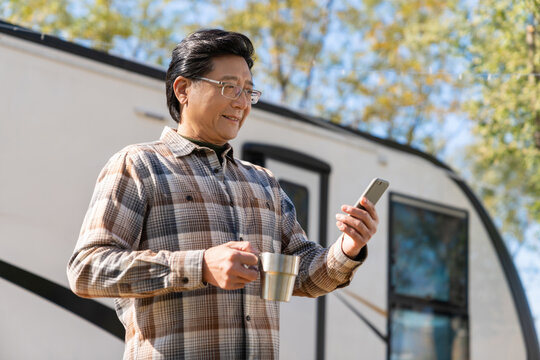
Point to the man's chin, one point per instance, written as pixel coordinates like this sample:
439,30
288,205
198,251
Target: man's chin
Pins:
230,134
231,137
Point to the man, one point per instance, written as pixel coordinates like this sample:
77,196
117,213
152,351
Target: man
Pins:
174,226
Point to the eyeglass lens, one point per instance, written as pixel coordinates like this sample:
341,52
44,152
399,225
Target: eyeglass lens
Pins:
233,92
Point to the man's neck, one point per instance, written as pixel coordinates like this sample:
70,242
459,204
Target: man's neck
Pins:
190,134
214,147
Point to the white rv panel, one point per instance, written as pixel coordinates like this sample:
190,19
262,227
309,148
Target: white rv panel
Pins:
494,325
33,328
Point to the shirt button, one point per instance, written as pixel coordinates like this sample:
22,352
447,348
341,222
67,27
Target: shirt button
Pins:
267,205
241,238
189,198
248,318
185,280
216,170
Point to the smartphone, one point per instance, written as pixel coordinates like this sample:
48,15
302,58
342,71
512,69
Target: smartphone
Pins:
373,192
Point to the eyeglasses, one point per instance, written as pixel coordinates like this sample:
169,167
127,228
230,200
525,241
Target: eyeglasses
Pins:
231,91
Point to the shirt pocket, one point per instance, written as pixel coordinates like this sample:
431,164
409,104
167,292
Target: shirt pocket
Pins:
262,224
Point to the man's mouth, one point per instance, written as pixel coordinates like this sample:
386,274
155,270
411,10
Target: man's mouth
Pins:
232,118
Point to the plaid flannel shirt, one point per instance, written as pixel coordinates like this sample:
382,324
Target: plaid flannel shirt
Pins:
156,207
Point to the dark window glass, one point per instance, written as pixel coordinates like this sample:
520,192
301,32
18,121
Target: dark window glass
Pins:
429,336
429,254
428,281
299,195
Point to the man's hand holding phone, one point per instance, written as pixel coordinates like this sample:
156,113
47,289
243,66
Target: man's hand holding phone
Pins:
361,221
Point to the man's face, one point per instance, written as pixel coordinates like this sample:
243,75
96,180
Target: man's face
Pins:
209,116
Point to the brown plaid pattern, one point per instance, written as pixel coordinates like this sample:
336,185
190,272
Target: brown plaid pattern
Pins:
155,208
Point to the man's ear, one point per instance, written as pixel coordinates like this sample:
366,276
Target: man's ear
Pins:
181,86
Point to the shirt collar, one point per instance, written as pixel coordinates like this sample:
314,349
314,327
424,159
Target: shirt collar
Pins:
182,147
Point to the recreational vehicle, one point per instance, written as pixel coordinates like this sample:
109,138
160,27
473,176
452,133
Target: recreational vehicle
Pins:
438,282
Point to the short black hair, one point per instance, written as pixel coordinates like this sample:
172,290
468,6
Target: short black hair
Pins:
192,57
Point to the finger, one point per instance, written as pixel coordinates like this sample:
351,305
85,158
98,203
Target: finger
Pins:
355,211
352,233
356,215
368,213
242,246
359,225
246,274
236,286
245,258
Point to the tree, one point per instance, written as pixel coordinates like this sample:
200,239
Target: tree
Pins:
289,37
136,29
408,80
51,17
313,66
502,37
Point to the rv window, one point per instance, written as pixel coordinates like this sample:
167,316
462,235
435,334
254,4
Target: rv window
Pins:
428,271
426,335
299,195
429,254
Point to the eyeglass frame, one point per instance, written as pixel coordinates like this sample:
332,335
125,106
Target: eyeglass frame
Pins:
222,84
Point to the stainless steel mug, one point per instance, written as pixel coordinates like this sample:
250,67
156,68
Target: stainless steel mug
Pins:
278,273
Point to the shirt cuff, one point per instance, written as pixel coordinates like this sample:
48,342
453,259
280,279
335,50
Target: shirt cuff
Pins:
186,270
341,262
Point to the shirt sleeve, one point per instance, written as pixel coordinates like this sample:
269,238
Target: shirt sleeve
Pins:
321,269
106,261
